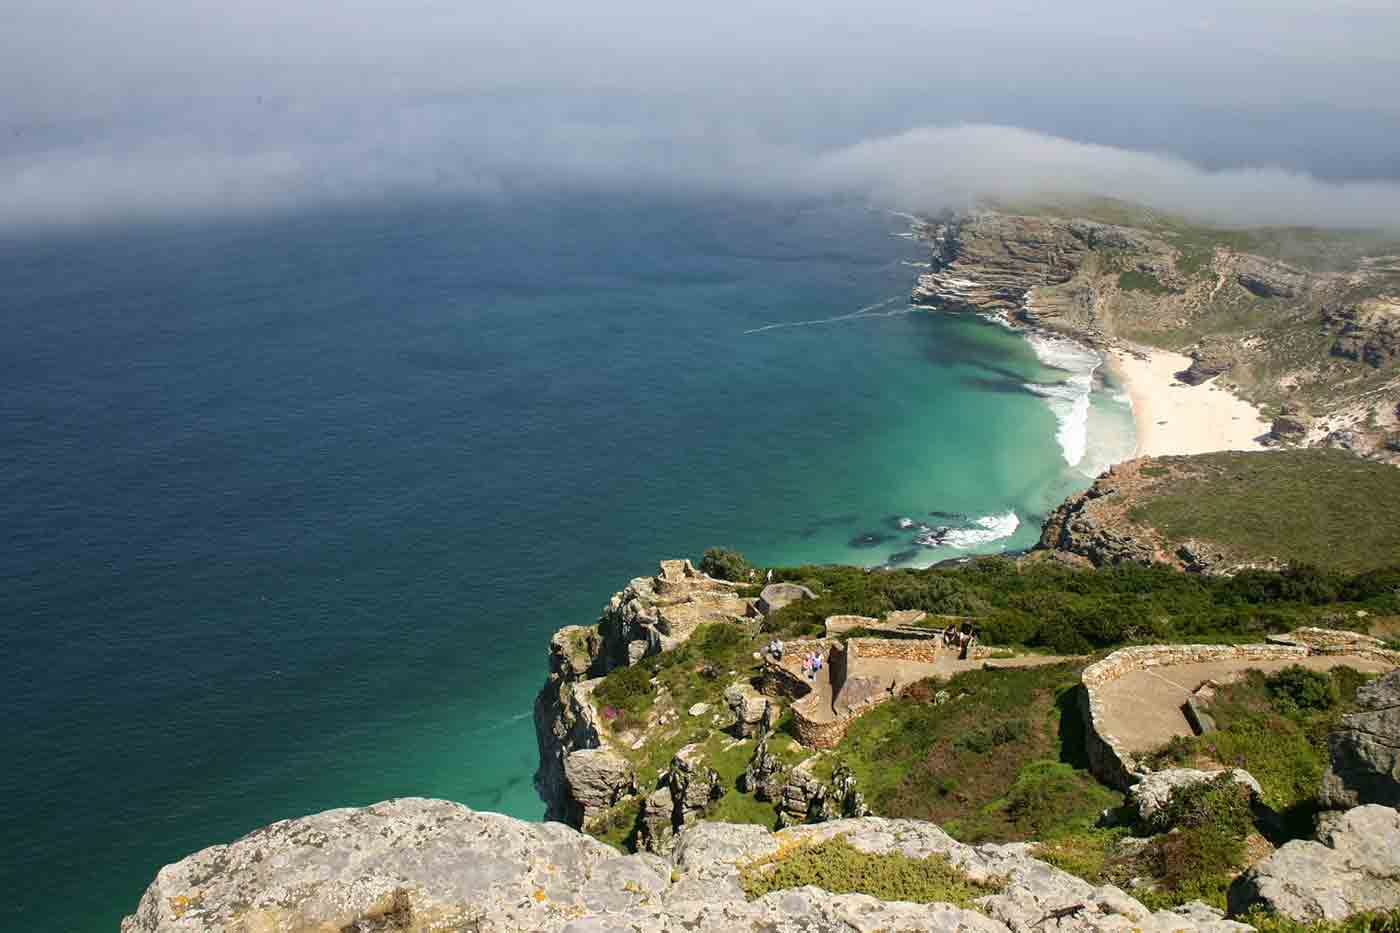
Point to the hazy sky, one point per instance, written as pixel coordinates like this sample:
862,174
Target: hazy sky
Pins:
1263,110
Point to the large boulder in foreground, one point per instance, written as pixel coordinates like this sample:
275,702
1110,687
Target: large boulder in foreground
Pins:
1354,866
414,866
1366,749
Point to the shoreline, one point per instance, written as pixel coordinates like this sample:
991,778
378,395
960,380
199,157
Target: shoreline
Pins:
1173,418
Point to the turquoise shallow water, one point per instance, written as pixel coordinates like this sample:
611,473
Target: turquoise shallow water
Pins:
293,505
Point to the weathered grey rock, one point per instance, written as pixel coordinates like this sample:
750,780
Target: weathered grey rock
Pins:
777,595
1366,749
1155,789
751,710
1368,331
1269,279
686,791
765,775
1353,867
1209,359
429,866
1290,427
597,779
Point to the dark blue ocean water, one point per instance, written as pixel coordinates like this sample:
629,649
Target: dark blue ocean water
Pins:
290,506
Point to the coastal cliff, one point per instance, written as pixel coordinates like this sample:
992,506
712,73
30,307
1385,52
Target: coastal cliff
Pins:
582,768
1305,324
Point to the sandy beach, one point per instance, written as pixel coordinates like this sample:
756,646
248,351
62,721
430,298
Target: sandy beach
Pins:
1175,418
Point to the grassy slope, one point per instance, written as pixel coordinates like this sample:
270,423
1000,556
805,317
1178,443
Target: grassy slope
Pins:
989,755
1320,507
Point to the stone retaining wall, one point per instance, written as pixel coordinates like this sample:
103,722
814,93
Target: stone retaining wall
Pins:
1109,758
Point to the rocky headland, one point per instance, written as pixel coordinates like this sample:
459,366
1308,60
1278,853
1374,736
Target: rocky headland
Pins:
1310,338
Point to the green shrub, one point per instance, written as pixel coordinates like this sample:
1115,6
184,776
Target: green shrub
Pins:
724,564
625,694
1297,689
837,866
1221,803
1372,922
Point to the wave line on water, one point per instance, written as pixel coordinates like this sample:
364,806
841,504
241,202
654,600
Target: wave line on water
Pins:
866,312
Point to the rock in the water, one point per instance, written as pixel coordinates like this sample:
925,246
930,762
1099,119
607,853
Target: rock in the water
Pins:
777,595
1353,867
1366,749
1156,788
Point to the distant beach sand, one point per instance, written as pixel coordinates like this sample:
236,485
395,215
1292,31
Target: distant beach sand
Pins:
1174,418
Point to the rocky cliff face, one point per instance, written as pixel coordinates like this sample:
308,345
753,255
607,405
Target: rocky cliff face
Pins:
1366,749
1096,525
1326,342
415,866
650,615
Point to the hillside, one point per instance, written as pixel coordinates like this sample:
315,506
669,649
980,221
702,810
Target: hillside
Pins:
1217,512
1304,322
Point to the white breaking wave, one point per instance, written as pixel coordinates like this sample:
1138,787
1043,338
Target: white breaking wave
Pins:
867,311
1069,400
986,529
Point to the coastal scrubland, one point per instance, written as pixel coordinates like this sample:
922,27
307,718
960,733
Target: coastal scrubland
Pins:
1323,507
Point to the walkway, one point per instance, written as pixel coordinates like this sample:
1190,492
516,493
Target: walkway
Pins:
1142,709
819,704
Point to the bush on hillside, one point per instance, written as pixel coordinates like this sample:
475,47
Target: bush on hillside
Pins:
1297,689
724,564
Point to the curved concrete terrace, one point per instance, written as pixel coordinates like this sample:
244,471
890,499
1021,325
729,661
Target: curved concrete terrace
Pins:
1143,708
1133,699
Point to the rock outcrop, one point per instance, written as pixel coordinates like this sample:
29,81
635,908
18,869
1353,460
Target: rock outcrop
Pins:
650,615
415,866
1095,524
685,792
1366,749
1155,789
1268,279
1210,357
1367,331
1353,866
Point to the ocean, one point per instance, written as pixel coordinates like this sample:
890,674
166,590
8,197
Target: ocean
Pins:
292,503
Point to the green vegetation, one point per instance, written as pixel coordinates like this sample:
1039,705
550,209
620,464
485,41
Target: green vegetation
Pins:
988,755
1068,611
1317,507
724,564
839,867
1371,922
1135,280
695,672
1275,727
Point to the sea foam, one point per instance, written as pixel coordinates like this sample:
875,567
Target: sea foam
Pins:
1069,400
984,530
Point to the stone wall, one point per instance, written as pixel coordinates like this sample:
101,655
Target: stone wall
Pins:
1109,758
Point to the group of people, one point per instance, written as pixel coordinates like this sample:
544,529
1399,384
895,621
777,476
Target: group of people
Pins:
812,661
962,638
